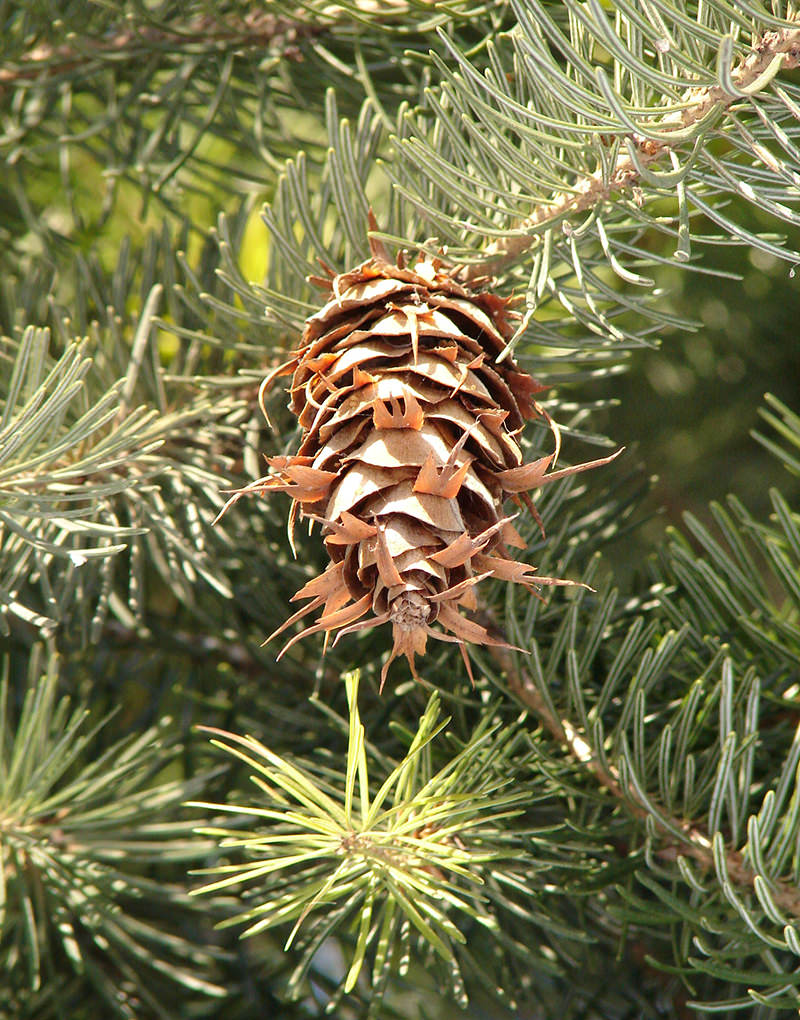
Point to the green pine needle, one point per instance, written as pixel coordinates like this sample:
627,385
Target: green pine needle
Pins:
414,848
74,831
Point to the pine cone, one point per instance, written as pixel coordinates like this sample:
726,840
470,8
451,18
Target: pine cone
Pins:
411,417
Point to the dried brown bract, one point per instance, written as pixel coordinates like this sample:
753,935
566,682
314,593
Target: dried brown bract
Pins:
410,450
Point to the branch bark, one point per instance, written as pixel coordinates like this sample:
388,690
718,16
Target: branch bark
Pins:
256,30
782,47
696,845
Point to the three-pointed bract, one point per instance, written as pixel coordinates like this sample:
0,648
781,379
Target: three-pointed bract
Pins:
410,448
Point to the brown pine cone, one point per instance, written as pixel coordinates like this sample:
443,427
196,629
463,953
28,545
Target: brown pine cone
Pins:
411,419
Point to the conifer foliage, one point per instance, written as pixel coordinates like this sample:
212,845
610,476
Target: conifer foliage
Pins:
597,818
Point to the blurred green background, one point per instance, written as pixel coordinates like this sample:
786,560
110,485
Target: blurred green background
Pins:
691,406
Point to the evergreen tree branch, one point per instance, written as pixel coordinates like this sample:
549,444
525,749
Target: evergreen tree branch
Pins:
775,50
82,875
412,850
145,95
205,33
658,793
697,843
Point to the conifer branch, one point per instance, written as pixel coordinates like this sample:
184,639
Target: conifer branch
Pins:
697,843
672,724
257,29
205,33
777,50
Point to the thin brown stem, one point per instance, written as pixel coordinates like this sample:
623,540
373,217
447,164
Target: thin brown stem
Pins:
591,191
695,844
256,30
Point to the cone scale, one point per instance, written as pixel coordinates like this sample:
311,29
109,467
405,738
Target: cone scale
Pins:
410,449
